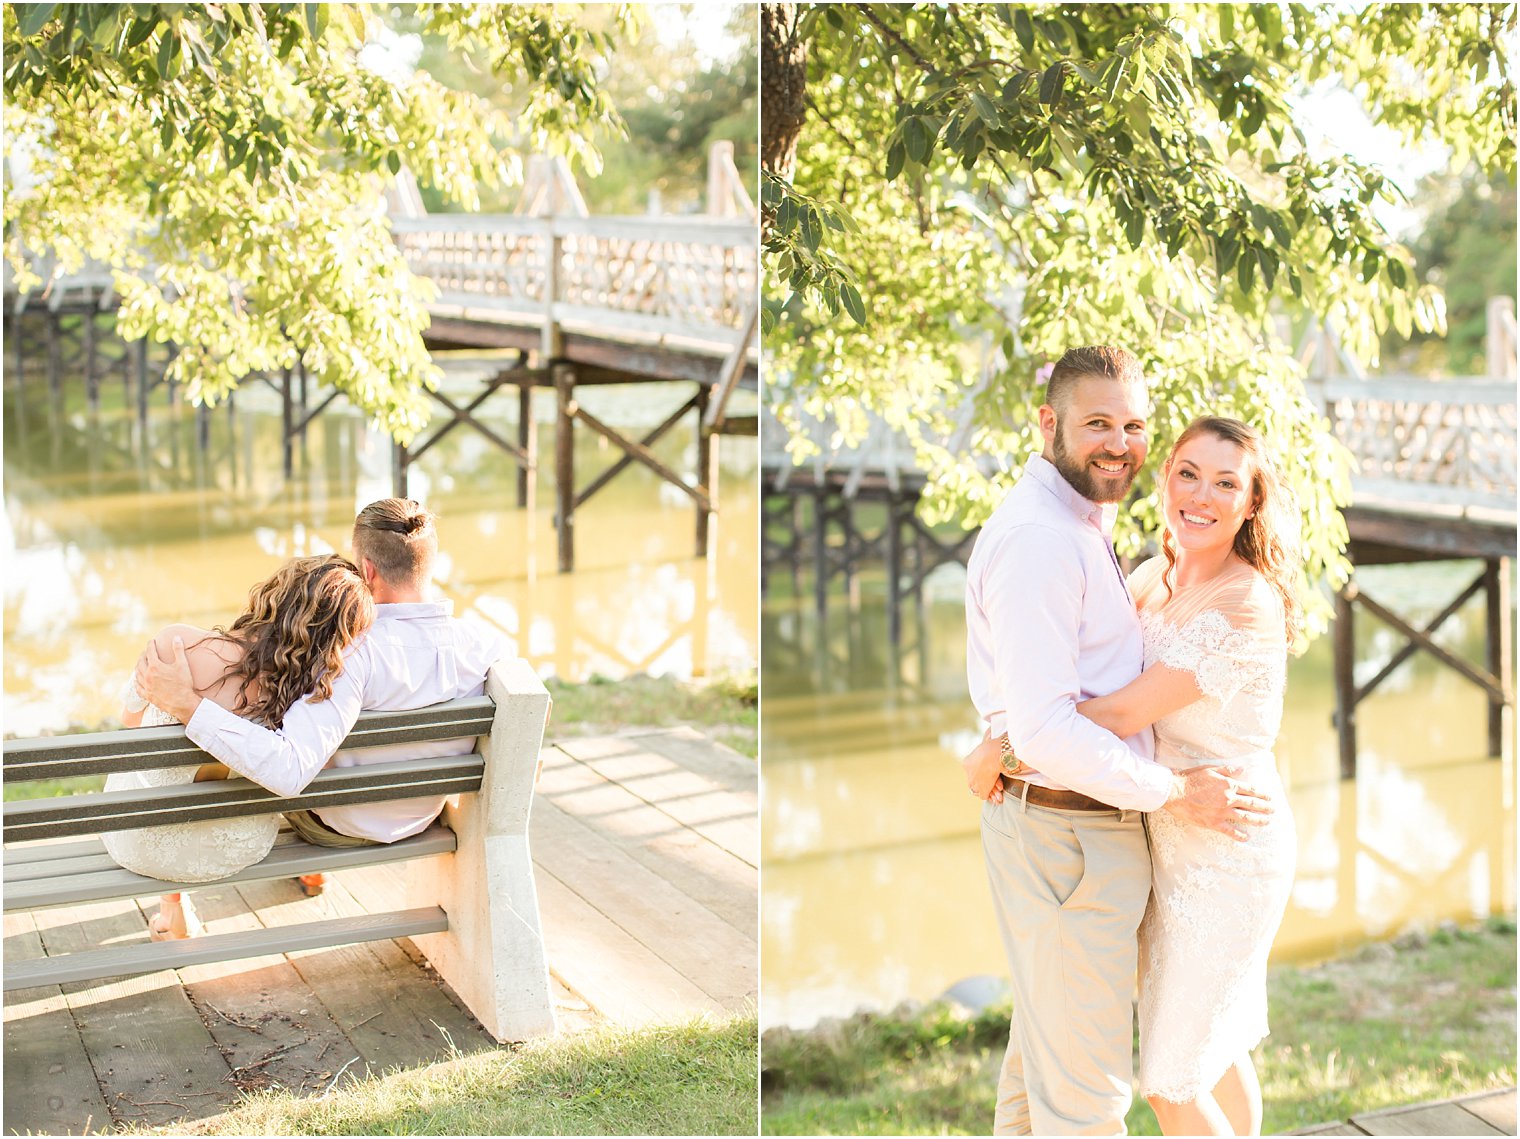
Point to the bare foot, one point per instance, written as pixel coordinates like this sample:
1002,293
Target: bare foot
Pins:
174,921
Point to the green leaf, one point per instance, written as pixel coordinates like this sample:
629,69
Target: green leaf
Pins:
916,136
1255,116
316,19
1023,27
1051,83
1226,22
1397,273
897,154
985,108
812,229
32,18
853,304
1134,229
393,160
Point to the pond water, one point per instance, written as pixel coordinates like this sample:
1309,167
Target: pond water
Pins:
106,540
874,889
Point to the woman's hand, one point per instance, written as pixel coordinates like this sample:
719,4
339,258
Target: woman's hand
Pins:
983,766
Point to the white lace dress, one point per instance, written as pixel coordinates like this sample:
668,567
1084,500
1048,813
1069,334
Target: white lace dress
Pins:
184,852
1216,903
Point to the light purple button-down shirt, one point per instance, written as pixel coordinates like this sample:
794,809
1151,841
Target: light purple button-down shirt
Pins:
1050,623
414,655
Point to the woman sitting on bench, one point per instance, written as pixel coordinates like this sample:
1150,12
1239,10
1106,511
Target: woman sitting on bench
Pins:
289,642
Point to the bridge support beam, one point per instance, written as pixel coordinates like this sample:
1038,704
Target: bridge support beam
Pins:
564,463
1501,657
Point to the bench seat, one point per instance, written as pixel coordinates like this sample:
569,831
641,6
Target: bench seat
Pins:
70,873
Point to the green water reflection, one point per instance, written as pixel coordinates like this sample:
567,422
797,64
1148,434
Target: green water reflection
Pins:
874,889
107,540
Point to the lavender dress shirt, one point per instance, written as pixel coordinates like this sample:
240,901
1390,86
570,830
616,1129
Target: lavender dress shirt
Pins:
1050,623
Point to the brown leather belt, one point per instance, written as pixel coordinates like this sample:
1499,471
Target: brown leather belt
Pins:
1050,797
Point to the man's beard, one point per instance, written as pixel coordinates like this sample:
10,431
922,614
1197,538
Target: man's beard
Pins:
1081,477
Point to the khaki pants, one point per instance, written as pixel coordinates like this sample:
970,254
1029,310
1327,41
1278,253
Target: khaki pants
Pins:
1070,888
315,831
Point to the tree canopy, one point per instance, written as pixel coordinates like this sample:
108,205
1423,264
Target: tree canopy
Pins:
227,162
1044,176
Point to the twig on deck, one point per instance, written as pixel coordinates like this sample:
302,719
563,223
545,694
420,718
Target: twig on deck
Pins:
338,1077
366,1020
273,1055
233,1021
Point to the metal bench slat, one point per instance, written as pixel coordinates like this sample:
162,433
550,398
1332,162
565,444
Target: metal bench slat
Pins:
139,749
291,856
130,960
101,811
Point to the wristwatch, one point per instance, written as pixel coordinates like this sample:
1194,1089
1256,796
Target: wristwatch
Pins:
1012,764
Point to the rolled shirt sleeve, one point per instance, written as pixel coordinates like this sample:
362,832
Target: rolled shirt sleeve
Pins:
287,759
1033,603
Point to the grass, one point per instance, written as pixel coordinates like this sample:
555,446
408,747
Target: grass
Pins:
696,1078
725,709
1421,1018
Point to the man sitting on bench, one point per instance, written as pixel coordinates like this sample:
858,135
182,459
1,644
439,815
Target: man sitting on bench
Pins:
415,654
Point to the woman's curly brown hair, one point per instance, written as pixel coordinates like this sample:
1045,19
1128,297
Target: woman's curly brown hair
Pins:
293,633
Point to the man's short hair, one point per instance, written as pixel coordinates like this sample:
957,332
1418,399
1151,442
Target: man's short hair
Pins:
397,535
1102,361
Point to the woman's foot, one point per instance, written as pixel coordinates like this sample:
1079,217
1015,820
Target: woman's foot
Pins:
176,920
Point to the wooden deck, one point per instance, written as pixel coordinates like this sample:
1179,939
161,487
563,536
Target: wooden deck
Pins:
1489,1113
647,852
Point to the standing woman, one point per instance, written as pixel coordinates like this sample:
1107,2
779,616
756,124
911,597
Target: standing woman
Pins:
1218,610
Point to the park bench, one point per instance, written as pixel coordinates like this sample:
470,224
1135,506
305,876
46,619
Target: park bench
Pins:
472,903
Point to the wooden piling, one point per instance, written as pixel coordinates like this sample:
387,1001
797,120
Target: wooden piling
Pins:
1501,657
564,463
1344,643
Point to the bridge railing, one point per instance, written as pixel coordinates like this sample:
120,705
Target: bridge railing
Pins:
674,277
1419,444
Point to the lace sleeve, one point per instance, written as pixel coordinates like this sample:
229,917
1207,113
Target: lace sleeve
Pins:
130,700
1236,640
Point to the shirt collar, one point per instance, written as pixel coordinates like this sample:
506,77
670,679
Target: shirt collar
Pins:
1101,515
410,610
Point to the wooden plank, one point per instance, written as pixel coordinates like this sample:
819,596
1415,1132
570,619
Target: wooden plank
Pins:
272,1028
143,1036
1424,1119
50,1086
1497,1109
619,977
695,752
82,879
726,885
1330,1129
721,816
151,957
702,947
393,1012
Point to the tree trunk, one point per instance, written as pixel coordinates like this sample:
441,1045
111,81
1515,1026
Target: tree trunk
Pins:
783,83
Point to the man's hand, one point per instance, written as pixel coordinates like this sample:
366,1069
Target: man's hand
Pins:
1213,797
983,766
167,683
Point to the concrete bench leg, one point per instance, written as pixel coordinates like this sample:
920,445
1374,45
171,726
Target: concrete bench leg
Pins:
492,954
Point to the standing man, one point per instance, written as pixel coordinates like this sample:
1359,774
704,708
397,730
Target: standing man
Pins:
1050,622
415,654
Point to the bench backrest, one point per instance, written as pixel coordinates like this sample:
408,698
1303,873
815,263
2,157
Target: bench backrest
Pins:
139,749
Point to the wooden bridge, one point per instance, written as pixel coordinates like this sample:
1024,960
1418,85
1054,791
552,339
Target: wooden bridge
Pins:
1433,477
582,300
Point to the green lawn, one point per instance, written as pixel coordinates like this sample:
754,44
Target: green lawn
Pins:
697,1078
1418,1019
